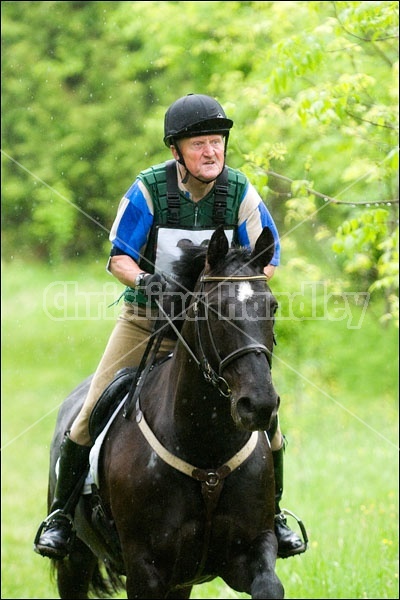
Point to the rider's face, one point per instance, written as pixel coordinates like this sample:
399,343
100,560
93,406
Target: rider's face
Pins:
203,155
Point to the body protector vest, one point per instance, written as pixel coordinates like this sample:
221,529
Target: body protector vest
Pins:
179,221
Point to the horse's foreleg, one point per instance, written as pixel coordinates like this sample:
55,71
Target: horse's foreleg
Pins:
253,572
143,579
265,583
181,594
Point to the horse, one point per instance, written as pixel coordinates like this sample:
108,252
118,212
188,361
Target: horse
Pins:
185,489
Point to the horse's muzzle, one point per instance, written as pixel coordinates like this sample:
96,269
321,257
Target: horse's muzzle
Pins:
252,414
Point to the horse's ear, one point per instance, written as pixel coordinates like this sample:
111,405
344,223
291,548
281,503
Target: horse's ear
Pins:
217,247
264,248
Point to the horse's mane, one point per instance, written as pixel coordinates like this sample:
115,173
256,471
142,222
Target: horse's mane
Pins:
188,268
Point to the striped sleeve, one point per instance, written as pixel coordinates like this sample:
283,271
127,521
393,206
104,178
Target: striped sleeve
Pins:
253,217
133,221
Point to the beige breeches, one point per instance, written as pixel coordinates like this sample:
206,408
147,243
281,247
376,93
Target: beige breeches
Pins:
125,348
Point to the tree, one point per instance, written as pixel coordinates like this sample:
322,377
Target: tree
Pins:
312,88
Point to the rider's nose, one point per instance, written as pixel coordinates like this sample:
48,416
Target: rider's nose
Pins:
208,148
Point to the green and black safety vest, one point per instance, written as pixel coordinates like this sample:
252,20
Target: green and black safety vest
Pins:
178,218
172,209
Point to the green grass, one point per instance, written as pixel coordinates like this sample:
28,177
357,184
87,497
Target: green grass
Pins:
339,410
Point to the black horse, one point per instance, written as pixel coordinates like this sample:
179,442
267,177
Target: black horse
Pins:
185,488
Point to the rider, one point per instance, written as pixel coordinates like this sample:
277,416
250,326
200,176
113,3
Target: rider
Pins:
145,235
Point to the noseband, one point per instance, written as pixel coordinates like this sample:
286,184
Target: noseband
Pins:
209,373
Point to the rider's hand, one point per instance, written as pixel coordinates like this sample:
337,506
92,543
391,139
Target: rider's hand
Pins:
153,285
269,271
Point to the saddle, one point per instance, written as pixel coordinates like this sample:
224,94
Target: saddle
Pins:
109,399
119,387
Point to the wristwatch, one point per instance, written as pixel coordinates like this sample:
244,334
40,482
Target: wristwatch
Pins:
139,278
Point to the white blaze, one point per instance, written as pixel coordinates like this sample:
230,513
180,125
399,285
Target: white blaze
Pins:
245,292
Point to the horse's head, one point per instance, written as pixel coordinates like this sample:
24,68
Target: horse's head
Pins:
234,322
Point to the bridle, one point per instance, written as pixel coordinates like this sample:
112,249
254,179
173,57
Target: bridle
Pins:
212,479
200,308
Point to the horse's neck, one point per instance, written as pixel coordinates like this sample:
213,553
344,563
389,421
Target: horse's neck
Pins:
201,415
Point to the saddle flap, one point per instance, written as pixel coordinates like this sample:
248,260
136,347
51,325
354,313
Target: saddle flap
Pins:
109,399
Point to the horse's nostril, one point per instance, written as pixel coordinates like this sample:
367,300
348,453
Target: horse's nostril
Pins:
245,405
250,414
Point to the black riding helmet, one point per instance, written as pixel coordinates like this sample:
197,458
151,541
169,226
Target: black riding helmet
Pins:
191,115
194,114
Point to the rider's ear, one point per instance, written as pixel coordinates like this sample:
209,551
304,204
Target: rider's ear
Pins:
174,152
264,248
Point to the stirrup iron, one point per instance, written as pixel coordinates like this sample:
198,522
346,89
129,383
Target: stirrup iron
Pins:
300,523
47,522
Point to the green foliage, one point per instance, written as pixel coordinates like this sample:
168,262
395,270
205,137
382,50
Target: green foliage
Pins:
312,88
358,238
370,251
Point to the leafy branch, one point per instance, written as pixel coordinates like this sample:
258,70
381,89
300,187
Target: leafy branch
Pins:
330,199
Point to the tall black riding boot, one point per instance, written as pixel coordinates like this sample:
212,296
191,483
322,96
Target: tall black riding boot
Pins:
55,534
289,543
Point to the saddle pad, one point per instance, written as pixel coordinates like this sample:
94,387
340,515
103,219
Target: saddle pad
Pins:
93,476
